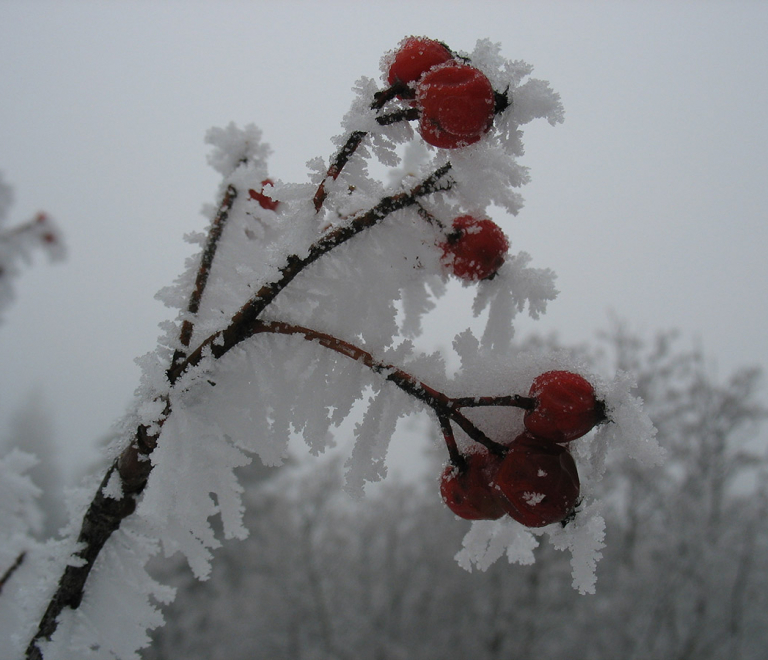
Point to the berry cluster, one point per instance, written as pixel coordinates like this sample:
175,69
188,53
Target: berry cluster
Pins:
533,479
455,104
456,101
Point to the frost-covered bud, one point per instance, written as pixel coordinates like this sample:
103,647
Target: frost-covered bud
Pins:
265,201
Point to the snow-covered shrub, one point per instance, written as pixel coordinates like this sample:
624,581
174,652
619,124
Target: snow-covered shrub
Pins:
303,301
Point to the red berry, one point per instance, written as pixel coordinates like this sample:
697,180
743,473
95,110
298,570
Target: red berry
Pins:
457,105
540,481
474,249
566,407
467,491
264,201
415,57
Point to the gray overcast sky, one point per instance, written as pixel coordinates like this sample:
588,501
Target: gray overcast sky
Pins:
651,199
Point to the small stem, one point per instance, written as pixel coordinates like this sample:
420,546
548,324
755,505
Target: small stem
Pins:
514,400
349,148
431,219
209,251
12,569
454,454
381,98
405,114
441,403
356,137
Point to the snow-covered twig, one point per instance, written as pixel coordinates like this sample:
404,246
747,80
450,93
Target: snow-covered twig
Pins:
443,405
12,569
206,260
356,137
239,328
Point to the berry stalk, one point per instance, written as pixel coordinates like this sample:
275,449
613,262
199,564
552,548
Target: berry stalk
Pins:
514,400
443,405
353,142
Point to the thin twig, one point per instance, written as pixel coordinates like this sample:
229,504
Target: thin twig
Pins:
514,400
209,251
341,159
12,569
399,88
429,217
405,114
444,406
356,137
455,456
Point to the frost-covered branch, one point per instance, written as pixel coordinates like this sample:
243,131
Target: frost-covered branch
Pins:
228,380
443,405
241,325
12,569
206,260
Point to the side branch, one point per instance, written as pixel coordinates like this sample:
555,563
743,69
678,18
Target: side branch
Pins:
12,569
444,406
356,137
240,327
349,148
206,260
